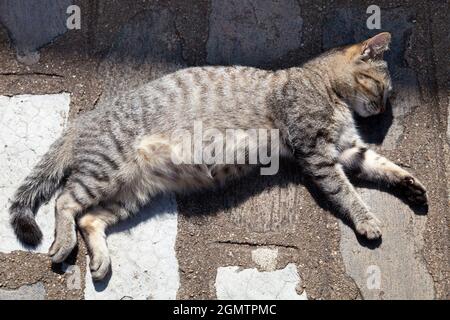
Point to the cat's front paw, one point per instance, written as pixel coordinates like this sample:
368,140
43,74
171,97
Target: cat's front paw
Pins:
100,266
414,191
369,228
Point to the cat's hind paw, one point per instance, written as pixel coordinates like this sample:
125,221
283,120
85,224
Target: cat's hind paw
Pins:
369,228
414,191
62,246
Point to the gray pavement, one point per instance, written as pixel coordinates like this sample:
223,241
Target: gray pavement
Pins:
264,237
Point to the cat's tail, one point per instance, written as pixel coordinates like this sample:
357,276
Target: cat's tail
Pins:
45,179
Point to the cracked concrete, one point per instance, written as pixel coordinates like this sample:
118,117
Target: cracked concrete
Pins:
246,223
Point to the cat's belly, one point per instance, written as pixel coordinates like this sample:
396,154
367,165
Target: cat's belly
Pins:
165,165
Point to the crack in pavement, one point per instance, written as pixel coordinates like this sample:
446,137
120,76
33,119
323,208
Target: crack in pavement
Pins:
253,244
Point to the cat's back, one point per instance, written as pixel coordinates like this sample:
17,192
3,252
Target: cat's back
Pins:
210,94
219,97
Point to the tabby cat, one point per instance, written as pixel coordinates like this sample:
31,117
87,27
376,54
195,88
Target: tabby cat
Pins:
112,160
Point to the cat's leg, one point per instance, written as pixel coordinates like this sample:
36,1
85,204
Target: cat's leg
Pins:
330,178
66,208
93,225
81,191
371,166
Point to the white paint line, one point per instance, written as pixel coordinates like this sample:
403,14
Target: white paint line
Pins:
28,126
144,262
250,284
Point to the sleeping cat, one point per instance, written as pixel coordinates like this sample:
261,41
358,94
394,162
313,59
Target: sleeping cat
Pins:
112,160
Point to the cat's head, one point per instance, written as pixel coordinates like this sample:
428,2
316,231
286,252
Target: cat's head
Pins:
363,79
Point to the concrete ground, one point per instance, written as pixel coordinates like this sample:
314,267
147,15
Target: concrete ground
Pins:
262,237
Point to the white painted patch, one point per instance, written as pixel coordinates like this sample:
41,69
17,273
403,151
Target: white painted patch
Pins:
250,284
34,291
265,258
28,126
144,263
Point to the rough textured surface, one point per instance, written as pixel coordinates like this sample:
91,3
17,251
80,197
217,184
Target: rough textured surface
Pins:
265,258
28,126
28,292
137,57
224,227
217,229
402,241
33,24
250,284
19,268
143,256
251,32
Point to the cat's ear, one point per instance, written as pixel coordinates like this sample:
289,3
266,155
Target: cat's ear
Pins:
374,47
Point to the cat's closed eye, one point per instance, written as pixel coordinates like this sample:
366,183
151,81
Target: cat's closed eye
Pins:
370,85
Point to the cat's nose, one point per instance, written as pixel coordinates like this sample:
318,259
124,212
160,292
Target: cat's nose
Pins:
382,108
